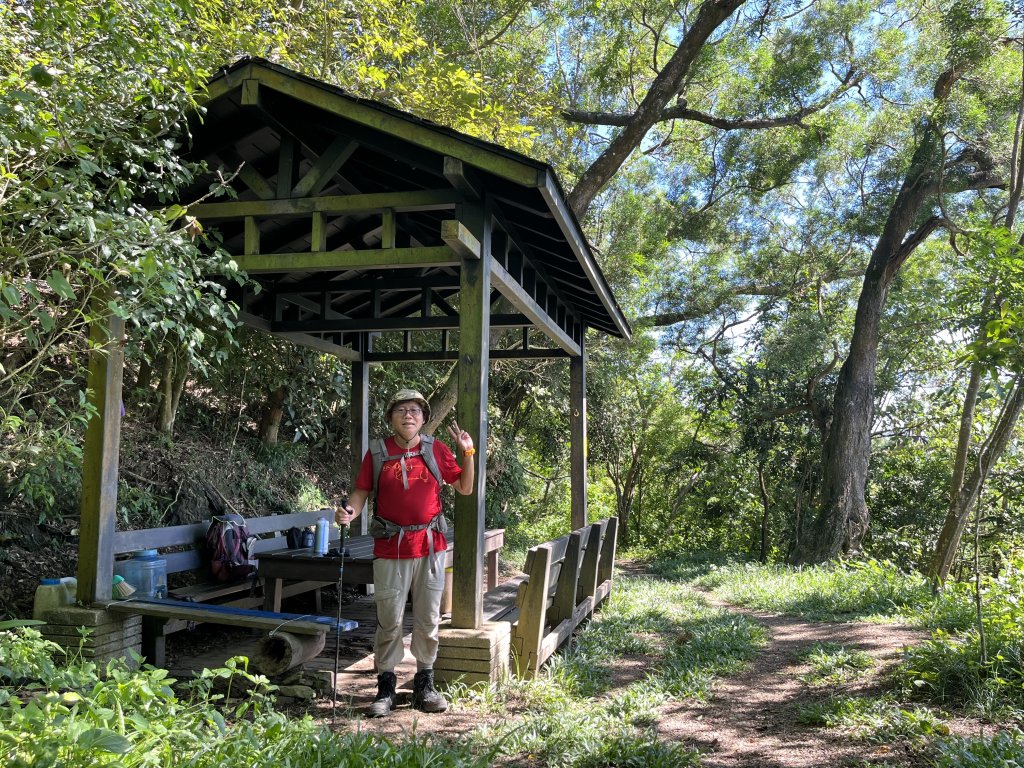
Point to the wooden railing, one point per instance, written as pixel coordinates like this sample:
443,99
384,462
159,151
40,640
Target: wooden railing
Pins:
566,580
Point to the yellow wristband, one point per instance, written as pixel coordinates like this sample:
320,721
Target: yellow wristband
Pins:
469,452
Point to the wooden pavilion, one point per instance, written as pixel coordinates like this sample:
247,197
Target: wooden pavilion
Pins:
360,225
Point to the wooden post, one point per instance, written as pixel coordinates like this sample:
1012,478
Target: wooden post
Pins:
359,418
578,437
606,568
100,462
528,632
586,585
471,410
564,603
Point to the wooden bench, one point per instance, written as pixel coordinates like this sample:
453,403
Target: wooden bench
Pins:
187,545
163,610
564,581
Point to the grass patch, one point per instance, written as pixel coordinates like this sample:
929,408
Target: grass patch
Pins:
832,663
837,592
1000,751
581,711
948,669
875,721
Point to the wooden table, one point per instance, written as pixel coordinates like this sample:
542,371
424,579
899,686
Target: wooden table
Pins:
278,565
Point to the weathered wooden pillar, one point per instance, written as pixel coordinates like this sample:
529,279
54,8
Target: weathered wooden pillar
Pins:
578,436
359,418
471,410
100,460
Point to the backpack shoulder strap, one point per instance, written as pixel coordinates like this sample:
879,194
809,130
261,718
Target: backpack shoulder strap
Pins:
378,452
427,454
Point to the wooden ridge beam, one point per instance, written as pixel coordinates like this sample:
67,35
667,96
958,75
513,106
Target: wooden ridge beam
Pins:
401,202
325,261
382,324
430,138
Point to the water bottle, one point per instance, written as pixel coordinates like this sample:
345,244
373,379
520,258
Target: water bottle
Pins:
322,534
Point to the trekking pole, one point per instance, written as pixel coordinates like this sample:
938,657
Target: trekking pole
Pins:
337,623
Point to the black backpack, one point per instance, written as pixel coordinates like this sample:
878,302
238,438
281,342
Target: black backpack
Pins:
229,545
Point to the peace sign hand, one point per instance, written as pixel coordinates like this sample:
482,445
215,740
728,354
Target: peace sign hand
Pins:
461,438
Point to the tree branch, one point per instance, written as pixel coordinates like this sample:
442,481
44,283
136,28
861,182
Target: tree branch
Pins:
681,112
775,290
666,86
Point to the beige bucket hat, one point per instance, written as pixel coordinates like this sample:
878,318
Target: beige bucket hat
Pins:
409,396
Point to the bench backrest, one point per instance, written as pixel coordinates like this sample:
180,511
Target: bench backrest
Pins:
573,569
566,579
189,541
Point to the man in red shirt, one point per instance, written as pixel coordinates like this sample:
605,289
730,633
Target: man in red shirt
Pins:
409,542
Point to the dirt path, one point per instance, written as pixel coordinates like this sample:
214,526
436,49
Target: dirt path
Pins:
751,719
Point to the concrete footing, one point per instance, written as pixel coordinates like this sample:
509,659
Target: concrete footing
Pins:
473,655
105,635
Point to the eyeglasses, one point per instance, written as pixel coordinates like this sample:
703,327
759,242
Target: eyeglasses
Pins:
413,411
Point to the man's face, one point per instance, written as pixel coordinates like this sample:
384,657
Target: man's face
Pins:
407,419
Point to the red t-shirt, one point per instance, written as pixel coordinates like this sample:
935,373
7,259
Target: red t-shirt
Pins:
417,505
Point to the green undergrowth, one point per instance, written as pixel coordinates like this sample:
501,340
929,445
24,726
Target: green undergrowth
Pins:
75,714
952,668
875,720
596,703
832,663
851,590
885,721
1002,750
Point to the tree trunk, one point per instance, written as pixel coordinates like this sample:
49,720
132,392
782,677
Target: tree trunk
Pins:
963,443
443,401
270,422
180,377
842,520
165,416
956,519
763,555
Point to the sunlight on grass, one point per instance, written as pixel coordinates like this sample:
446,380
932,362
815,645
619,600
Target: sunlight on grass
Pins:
832,663
589,707
868,590
1002,750
876,721
948,669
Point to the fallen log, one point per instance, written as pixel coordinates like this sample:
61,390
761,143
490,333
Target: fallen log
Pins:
280,651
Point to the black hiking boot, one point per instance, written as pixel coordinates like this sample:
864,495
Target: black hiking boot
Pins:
424,697
385,700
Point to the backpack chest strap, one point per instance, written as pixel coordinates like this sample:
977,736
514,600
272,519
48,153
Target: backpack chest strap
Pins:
401,457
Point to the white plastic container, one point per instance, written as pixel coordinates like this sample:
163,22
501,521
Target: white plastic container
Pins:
323,532
53,593
147,572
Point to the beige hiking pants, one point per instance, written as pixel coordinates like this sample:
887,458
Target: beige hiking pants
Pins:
393,580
